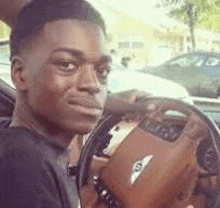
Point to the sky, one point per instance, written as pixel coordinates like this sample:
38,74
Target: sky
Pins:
143,10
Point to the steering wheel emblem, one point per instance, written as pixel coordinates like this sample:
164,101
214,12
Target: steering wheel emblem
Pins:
138,167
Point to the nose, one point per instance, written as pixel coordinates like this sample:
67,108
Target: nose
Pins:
88,80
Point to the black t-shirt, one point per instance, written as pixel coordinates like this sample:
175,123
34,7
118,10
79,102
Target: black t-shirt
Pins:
33,172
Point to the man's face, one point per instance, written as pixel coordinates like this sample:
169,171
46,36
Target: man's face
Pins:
66,74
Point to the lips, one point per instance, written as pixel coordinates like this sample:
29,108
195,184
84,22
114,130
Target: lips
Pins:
85,102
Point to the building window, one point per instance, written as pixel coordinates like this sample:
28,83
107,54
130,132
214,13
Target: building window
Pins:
137,44
124,44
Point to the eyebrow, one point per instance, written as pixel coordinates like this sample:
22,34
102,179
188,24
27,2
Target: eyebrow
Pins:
80,55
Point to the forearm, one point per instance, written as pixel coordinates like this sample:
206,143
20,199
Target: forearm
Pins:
9,10
118,104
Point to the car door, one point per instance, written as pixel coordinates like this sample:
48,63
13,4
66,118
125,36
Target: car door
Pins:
212,66
187,69
210,85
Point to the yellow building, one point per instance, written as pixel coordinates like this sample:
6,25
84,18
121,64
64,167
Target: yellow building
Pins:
146,43
142,42
132,38
4,31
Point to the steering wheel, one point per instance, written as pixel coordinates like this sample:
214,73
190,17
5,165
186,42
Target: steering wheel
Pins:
168,157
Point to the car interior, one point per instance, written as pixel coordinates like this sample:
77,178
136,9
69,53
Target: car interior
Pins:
167,157
173,140
172,158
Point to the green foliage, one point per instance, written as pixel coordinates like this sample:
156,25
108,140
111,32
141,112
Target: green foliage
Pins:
209,15
187,13
205,13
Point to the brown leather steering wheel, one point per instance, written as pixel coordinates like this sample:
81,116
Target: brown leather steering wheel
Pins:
168,157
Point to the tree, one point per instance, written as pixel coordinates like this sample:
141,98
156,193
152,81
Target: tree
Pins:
204,13
188,14
209,15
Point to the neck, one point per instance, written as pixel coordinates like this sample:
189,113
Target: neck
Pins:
23,117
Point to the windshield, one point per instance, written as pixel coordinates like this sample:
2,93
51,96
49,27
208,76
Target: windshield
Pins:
4,62
170,51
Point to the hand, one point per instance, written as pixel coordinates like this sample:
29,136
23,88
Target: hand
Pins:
131,101
75,148
132,96
88,194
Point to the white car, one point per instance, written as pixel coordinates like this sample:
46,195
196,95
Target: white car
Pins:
124,80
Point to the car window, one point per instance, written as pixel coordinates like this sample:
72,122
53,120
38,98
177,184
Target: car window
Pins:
199,62
212,61
5,62
186,61
4,53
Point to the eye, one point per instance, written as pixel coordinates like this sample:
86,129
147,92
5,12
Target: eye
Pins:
103,70
67,66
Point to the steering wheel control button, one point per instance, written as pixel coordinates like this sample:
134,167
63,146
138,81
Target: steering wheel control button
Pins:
151,107
107,196
104,193
167,132
138,168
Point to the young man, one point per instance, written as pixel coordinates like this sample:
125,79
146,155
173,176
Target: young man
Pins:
59,66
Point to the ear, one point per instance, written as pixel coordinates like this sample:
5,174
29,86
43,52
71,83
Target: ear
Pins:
18,73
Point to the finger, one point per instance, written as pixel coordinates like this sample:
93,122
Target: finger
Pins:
98,163
133,96
141,97
129,95
74,150
88,197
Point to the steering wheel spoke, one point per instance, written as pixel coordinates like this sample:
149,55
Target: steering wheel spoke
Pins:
158,157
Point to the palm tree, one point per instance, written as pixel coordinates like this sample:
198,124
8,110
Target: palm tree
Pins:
187,12
195,12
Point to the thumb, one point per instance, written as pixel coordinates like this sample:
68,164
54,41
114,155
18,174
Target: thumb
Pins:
74,149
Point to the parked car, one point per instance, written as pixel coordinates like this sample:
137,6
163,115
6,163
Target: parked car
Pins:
209,106
199,72
120,80
124,80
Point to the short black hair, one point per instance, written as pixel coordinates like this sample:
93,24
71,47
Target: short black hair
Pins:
37,13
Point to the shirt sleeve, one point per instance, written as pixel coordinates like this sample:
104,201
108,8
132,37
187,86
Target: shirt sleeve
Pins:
27,181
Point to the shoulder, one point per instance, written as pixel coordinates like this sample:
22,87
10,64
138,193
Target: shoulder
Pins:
25,172
32,171
23,148
18,140
18,133
20,145
26,150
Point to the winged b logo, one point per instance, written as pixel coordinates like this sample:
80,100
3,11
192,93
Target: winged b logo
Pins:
138,167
